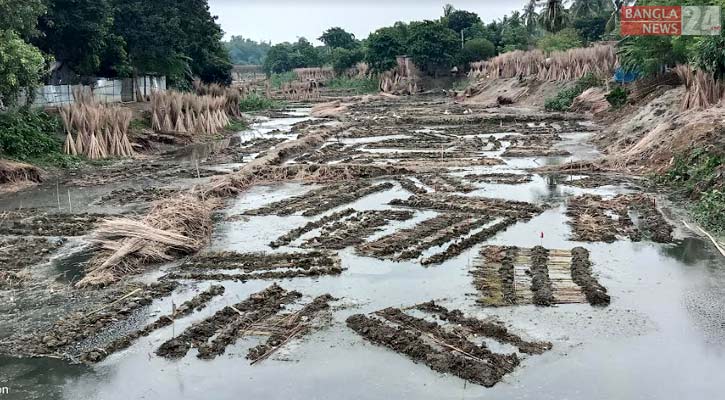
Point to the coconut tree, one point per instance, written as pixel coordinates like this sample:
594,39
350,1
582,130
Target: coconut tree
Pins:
616,11
587,8
553,17
530,15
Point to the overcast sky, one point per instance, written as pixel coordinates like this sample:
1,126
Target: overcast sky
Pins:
286,20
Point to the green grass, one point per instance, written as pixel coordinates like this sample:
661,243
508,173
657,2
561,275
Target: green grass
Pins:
697,178
255,102
237,125
354,85
276,80
563,100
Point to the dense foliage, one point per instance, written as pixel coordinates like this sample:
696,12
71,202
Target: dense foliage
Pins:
284,57
112,38
565,39
246,51
699,177
27,135
21,66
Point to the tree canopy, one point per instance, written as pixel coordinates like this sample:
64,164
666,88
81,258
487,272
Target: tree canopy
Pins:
247,51
337,37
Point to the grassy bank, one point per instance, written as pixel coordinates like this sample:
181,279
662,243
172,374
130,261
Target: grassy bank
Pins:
255,102
564,99
699,179
353,85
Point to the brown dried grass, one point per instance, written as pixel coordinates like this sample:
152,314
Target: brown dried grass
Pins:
703,90
558,66
96,130
175,226
12,172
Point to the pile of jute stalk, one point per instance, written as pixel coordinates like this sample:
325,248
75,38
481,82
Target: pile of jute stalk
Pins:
571,64
95,130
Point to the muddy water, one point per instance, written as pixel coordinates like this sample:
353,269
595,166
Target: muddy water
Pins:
662,337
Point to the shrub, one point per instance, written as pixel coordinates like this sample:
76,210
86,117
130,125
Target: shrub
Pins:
255,102
710,210
618,96
563,100
563,40
26,135
276,80
355,85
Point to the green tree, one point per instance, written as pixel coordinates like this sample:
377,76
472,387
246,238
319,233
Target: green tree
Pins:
21,66
476,50
76,32
201,42
306,54
337,37
514,35
553,18
565,39
384,45
591,28
246,51
21,16
342,58
590,8
530,16
432,46
151,30
278,59
459,20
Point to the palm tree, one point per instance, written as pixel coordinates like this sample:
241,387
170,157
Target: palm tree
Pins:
617,9
530,15
553,18
587,8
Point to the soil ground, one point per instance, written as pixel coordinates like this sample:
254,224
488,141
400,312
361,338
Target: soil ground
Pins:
434,261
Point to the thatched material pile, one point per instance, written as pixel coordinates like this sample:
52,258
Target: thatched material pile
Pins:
361,70
176,226
314,74
184,113
703,90
96,130
591,100
401,80
12,172
232,95
301,90
572,64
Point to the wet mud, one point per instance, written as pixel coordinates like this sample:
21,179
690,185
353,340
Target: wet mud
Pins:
17,254
199,302
320,200
354,229
262,314
34,222
500,178
444,348
476,205
597,219
250,266
64,338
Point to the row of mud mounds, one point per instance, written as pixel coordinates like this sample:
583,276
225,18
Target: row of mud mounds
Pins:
232,266
446,341
36,222
508,275
342,229
320,200
594,218
384,128
275,313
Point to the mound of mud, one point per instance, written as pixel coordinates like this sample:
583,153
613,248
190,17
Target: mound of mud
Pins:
513,276
445,346
596,219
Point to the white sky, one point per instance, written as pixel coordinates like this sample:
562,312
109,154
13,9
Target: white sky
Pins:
285,20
